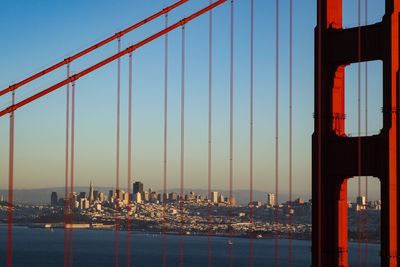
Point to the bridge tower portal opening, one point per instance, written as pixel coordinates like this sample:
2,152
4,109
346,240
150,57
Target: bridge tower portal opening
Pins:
335,156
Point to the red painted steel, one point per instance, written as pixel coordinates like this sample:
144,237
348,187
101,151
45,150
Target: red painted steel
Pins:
251,206
117,189
72,173
336,156
231,108
111,59
276,209
209,163
290,127
366,133
182,156
10,189
129,163
72,79
359,230
92,48
316,231
66,197
164,228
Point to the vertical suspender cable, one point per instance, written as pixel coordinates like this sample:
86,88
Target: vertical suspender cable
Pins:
231,140
128,232
290,126
72,172
366,133
117,190
10,186
277,135
359,134
67,196
164,237
182,163
251,228
210,32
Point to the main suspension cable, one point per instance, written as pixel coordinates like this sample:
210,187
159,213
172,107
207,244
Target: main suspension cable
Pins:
110,59
68,60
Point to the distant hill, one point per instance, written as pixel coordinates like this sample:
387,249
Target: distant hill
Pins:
42,195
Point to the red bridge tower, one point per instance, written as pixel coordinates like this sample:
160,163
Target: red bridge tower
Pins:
337,157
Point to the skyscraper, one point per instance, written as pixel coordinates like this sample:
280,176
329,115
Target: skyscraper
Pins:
96,195
271,199
214,197
137,197
138,187
91,195
54,199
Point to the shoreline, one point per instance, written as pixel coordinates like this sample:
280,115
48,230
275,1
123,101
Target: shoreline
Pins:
111,227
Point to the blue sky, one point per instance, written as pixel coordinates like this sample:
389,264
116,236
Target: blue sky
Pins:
36,34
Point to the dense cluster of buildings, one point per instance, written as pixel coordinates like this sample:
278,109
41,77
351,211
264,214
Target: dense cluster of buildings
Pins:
151,211
120,198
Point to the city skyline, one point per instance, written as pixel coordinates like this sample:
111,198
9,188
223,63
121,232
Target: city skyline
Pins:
229,120
95,146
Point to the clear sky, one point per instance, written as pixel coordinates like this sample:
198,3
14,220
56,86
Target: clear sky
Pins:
36,34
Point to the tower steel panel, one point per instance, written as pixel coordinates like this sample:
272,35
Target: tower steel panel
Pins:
335,155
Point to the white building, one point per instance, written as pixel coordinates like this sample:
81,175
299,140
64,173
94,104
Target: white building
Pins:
214,197
271,199
137,198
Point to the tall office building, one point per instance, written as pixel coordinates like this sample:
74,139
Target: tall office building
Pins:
54,199
271,199
125,198
146,196
91,195
153,197
84,203
137,197
96,195
214,197
138,187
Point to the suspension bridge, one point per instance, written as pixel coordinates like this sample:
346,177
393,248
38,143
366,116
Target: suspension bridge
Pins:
336,156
